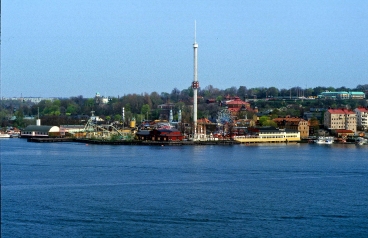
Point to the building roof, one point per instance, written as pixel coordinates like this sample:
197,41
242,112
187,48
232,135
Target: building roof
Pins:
41,128
234,109
143,132
362,109
203,121
334,92
343,131
237,101
271,129
288,119
340,111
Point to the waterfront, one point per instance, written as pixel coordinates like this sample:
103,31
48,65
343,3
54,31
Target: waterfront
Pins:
261,190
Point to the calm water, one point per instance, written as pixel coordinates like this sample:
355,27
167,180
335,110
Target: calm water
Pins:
277,190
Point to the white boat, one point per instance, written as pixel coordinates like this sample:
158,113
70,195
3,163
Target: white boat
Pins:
4,135
327,140
361,141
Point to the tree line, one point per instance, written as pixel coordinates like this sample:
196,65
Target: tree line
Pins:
77,109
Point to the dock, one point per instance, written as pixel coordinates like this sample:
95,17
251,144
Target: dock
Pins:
48,140
132,142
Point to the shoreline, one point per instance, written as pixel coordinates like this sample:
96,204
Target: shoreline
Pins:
132,142
158,143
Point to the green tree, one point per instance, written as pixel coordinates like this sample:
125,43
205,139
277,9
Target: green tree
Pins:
145,110
56,103
19,121
117,117
263,119
72,108
272,92
266,121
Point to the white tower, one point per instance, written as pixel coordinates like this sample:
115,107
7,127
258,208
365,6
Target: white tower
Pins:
179,116
195,84
171,117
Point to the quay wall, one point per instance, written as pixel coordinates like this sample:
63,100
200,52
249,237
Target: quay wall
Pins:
266,140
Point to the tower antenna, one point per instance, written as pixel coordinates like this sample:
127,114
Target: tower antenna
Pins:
195,31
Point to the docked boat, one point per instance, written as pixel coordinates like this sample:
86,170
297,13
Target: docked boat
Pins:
361,141
4,135
327,140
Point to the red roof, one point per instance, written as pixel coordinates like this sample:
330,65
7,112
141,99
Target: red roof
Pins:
343,131
236,102
203,120
234,109
362,109
340,111
288,119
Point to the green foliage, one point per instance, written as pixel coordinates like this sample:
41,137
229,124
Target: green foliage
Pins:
266,121
115,137
56,103
19,121
263,119
270,123
190,92
50,108
145,110
127,107
117,117
89,102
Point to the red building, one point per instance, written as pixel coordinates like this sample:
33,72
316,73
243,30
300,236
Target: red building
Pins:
236,105
160,135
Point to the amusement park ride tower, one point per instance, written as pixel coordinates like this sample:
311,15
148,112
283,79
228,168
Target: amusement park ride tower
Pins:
195,85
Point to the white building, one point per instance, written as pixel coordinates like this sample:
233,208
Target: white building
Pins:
269,135
362,117
40,131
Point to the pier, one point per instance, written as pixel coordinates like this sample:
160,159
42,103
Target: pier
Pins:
133,142
48,140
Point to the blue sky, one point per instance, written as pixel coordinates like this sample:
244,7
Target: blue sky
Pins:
64,48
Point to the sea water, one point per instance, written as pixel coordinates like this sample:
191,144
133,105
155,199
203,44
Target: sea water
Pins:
261,190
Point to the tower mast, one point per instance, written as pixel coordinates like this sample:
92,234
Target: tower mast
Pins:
195,84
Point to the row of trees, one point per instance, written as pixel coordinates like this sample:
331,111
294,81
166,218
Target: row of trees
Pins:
145,106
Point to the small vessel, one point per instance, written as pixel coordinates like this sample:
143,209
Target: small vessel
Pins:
327,140
361,141
4,135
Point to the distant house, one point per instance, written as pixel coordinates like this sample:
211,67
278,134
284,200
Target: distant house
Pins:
101,99
204,125
269,134
342,133
340,119
362,117
40,131
314,113
293,123
246,122
342,95
235,105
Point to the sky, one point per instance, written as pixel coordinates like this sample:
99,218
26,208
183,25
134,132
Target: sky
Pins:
66,48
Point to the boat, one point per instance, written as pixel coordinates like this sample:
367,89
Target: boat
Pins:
361,141
4,135
14,135
327,140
